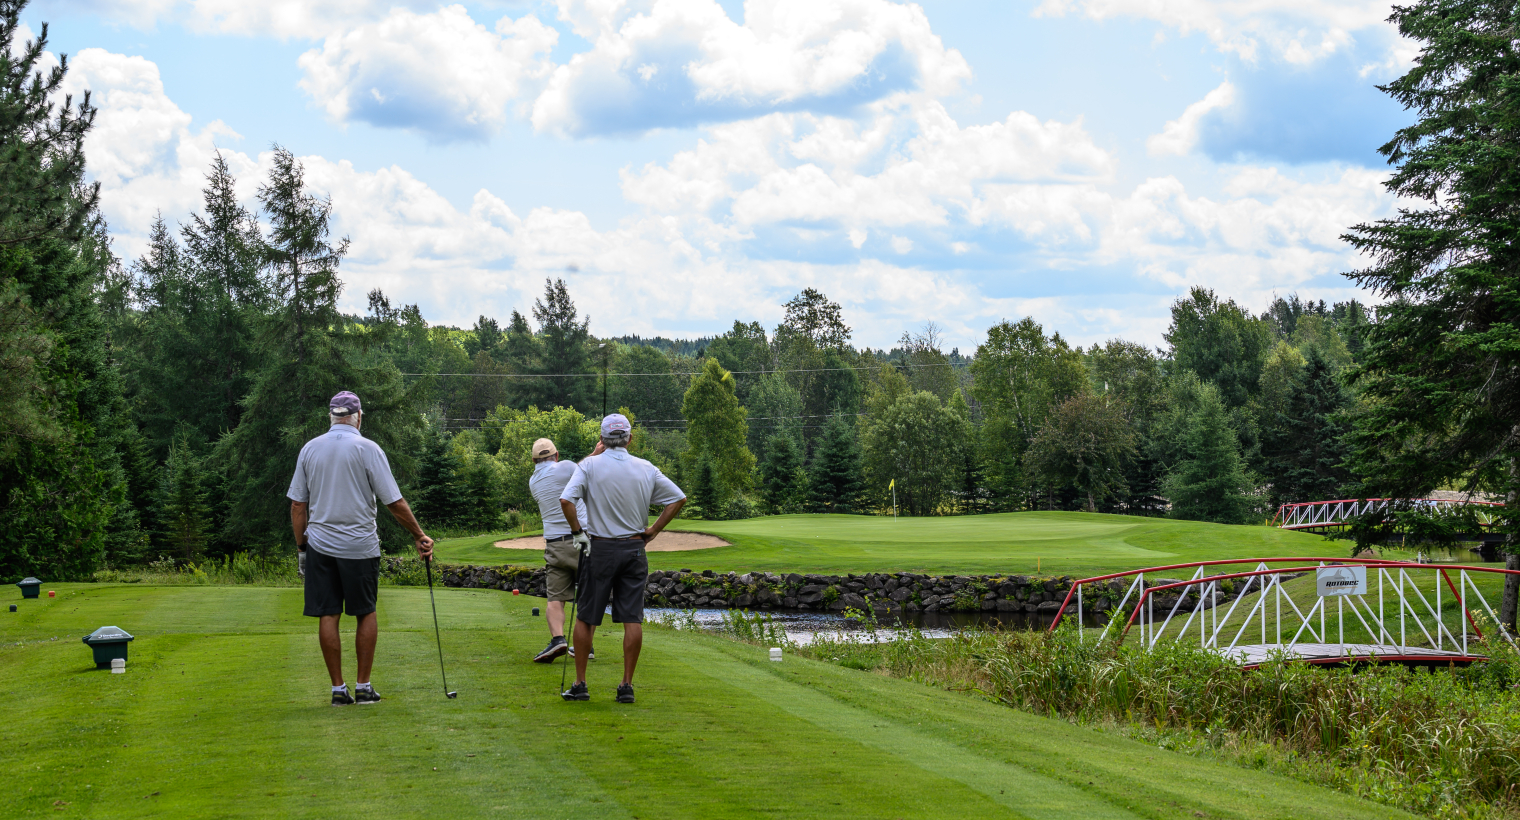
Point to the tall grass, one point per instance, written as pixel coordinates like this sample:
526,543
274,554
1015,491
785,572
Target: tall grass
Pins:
1443,743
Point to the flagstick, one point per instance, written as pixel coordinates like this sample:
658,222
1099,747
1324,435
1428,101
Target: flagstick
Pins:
894,500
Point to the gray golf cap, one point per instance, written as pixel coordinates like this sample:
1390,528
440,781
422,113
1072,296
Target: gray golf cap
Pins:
615,423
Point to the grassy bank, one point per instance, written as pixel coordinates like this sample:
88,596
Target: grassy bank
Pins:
1048,542
1443,743
222,712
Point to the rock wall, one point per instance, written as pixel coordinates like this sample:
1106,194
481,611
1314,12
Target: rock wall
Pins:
881,592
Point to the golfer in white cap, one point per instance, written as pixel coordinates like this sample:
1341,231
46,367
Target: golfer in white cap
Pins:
617,490
561,556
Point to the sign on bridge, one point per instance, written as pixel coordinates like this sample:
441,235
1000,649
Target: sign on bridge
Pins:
1333,582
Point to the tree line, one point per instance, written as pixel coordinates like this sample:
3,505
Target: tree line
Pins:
154,407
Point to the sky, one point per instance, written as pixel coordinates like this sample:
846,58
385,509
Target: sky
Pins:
685,163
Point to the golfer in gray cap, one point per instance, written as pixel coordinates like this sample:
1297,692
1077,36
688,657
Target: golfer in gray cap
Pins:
339,475
618,490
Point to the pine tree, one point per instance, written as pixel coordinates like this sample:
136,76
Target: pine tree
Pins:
183,516
63,419
777,471
1441,366
441,499
705,492
562,357
1306,450
835,483
1210,483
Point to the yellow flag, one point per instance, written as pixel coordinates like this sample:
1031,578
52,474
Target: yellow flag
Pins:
892,483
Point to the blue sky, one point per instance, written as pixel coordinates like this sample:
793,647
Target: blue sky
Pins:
685,163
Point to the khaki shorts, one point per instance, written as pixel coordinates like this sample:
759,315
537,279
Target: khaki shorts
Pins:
562,560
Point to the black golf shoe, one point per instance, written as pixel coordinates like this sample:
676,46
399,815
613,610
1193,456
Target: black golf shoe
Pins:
342,698
366,694
576,691
625,693
556,647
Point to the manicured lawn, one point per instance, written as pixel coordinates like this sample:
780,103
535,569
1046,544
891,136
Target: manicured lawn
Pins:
1006,543
223,713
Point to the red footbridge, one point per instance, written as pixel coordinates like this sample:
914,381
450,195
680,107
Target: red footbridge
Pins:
1324,515
1309,609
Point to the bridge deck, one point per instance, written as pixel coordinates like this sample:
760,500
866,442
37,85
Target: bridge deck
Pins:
1256,654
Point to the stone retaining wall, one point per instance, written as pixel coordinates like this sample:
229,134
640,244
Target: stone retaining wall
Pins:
881,592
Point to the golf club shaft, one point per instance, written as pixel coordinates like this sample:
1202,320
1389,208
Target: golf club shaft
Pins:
428,563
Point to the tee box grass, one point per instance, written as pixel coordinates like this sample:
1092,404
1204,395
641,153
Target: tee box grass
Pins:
223,713
1053,543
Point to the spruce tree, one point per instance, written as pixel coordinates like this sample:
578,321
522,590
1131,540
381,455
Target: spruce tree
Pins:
716,429
1441,366
562,366
1306,450
182,514
705,491
777,471
63,419
835,482
441,498
1210,483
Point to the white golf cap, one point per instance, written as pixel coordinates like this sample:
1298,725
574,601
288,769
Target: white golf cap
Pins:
615,423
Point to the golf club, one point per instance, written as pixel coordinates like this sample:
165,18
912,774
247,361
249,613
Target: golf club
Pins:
575,592
428,564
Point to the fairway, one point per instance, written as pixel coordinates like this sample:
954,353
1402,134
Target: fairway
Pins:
1055,543
223,713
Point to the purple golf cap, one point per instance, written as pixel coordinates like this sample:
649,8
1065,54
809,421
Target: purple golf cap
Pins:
344,404
614,423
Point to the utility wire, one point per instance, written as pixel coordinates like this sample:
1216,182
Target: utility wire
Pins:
599,375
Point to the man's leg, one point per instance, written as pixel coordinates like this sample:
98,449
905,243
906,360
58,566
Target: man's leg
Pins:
332,648
364,644
633,641
556,618
583,635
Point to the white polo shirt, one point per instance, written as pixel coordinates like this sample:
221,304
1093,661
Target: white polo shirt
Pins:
338,476
547,482
617,490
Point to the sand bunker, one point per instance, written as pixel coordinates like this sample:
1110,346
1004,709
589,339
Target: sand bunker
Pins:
667,541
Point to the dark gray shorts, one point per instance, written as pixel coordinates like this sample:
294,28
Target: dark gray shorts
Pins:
334,585
616,571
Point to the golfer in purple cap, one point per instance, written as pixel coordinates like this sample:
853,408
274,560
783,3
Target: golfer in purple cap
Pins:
339,475
617,490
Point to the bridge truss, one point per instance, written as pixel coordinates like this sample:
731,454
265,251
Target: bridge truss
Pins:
1422,613
1326,514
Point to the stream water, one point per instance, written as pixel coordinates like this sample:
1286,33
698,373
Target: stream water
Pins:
804,627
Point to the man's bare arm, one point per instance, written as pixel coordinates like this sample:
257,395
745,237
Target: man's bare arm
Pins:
404,517
570,516
667,515
298,518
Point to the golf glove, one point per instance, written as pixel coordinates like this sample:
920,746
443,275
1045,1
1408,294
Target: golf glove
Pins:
582,542
301,563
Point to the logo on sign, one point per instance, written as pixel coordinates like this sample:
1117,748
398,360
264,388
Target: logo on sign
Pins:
1335,581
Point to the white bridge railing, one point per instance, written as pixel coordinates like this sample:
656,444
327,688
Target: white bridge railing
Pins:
1309,514
1399,617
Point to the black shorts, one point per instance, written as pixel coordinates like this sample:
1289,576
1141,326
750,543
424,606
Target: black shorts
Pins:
617,570
334,585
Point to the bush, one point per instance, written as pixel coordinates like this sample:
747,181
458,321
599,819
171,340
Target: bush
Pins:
739,508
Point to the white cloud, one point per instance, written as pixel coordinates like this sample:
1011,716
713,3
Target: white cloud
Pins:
665,63
441,74
1298,31
142,149
910,164
1179,136
299,19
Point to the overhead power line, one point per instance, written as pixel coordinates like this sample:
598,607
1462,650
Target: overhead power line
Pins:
599,375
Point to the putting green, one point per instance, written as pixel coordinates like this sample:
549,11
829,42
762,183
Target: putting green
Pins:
1004,543
222,712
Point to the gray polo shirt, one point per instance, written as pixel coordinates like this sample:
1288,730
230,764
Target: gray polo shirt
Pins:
339,475
618,489
547,482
